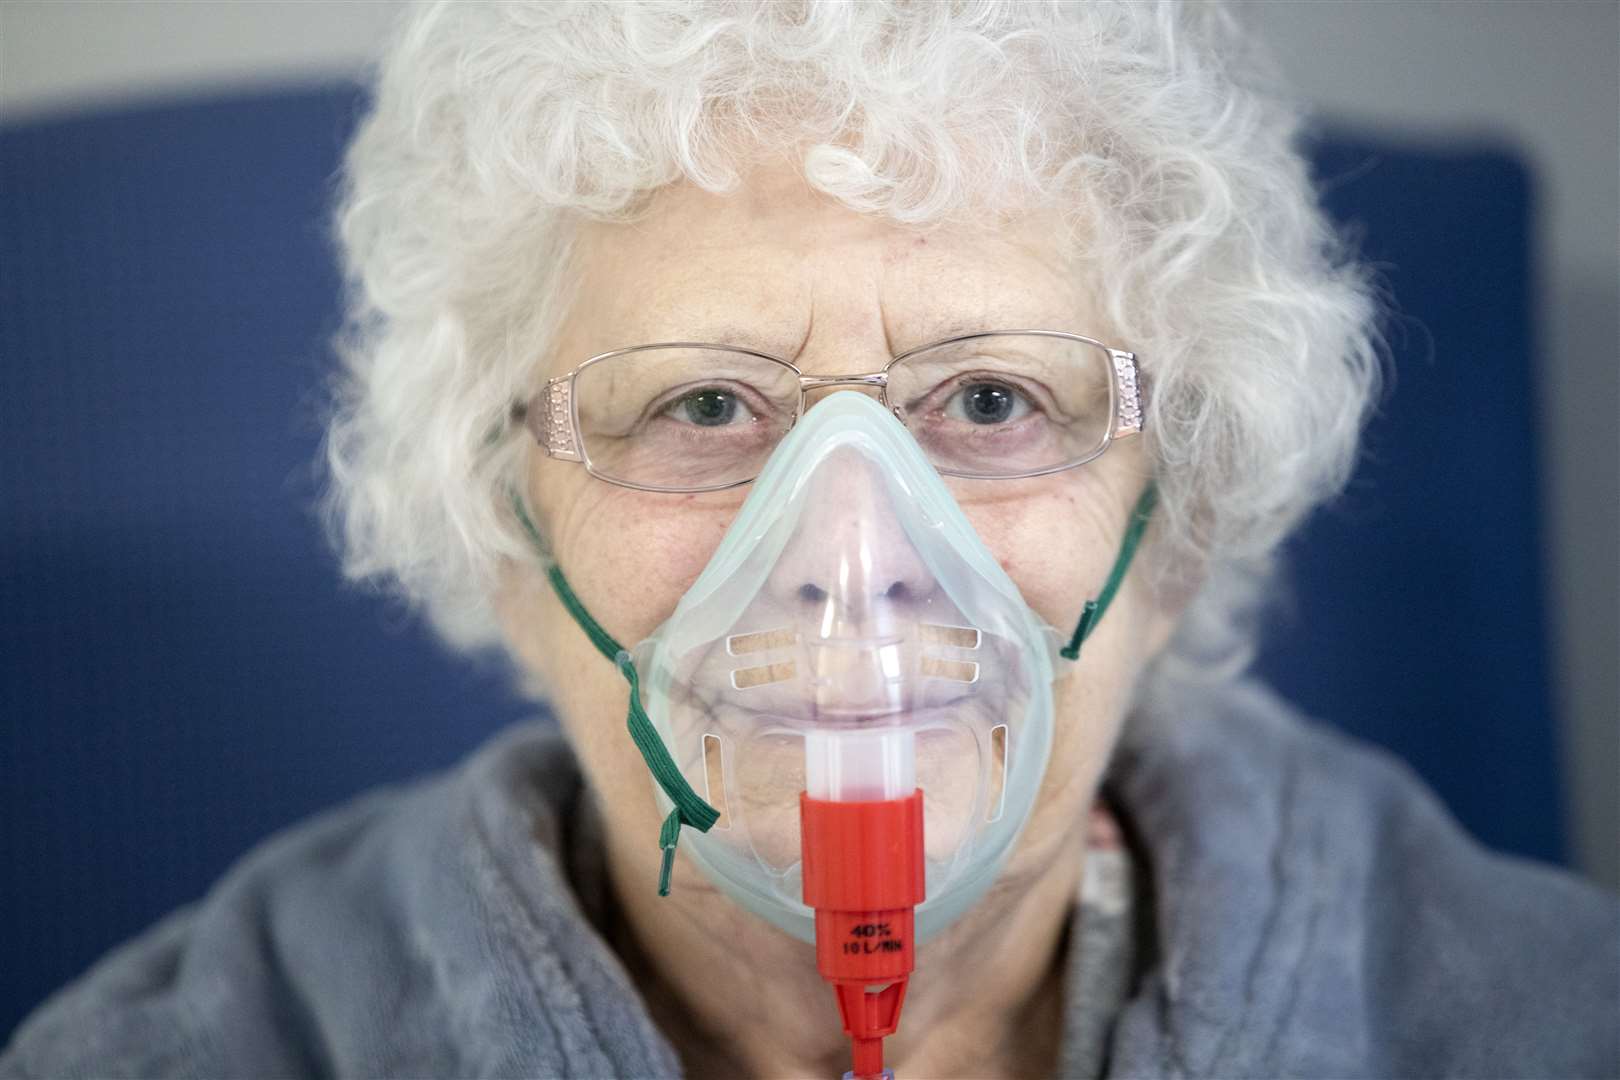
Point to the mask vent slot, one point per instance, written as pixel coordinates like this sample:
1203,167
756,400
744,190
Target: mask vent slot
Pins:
747,678
714,779
741,644
956,670
998,773
954,637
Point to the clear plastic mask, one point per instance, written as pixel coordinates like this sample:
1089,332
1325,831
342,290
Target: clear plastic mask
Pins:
852,637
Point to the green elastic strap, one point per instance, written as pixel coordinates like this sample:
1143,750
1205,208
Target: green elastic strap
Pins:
1092,614
690,808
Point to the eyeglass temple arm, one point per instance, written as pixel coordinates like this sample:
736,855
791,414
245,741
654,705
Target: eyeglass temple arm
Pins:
549,416
1128,414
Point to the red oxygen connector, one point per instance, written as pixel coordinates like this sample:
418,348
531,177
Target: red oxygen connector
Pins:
863,876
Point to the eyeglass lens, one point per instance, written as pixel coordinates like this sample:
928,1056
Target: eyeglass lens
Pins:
999,405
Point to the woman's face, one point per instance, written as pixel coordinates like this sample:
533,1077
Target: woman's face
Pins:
780,269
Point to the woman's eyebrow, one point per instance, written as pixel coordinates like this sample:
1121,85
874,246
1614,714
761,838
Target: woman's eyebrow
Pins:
918,331
940,329
744,336
757,337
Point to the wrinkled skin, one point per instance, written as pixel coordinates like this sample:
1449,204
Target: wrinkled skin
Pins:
784,270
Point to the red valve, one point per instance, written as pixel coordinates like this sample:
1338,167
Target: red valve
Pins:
863,875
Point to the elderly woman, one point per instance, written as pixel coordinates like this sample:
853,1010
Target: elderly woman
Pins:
890,410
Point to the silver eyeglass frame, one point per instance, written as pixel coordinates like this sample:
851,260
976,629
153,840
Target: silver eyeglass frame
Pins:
552,415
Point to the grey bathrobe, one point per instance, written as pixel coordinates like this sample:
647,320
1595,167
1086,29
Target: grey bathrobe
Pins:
1313,913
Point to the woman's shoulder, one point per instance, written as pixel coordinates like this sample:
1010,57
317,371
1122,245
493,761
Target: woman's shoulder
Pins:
333,946
1327,915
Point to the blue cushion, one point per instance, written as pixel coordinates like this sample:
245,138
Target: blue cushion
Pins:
1418,620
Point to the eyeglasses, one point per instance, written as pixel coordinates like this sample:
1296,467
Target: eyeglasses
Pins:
688,417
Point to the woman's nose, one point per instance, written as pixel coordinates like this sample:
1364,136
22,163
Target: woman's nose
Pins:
850,565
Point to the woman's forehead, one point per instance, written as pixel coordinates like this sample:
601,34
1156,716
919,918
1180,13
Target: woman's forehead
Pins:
767,272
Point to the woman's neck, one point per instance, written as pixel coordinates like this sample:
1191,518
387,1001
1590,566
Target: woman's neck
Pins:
737,996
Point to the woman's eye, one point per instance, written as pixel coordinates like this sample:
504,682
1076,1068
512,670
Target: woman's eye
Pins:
709,407
986,403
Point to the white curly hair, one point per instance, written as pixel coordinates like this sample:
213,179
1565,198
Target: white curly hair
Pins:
1153,127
